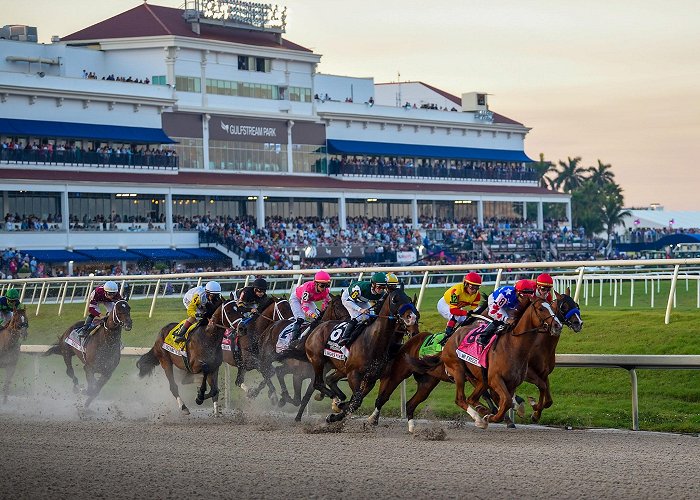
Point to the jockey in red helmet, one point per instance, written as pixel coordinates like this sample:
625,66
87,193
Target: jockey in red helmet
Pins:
545,285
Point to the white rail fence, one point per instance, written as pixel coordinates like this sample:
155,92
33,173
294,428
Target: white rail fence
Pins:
588,279
630,362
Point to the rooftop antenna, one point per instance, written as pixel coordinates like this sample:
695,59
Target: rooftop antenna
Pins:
398,94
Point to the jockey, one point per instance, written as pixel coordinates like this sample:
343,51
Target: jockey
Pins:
201,302
304,297
8,303
250,299
503,302
107,295
359,299
545,285
392,281
458,302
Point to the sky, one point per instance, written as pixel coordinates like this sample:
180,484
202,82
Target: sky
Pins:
615,81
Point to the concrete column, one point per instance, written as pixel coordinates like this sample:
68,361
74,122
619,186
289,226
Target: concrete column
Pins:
290,144
342,213
414,213
65,215
568,214
205,141
169,212
540,215
5,202
480,212
525,211
170,58
260,211
203,78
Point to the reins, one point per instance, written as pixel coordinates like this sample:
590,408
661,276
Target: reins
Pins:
543,328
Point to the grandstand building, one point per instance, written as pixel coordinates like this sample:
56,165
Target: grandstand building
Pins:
114,134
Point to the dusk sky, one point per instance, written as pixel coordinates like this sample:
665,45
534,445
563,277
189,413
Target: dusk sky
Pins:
615,81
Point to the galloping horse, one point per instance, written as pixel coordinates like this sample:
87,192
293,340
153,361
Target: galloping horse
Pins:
507,360
203,349
101,351
369,354
542,357
10,337
540,364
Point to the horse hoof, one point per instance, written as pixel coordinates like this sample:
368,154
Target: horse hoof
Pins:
185,410
318,396
510,425
335,405
520,410
297,419
411,426
199,401
534,418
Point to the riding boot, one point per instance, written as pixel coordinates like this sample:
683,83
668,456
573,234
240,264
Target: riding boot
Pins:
448,333
84,330
296,331
179,336
485,336
349,328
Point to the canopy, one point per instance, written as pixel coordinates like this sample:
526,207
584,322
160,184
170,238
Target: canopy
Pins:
109,254
337,146
70,130
56,256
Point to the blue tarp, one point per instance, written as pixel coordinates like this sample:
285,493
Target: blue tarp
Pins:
56,256
110,254
205,253
337,146
69,130
672,239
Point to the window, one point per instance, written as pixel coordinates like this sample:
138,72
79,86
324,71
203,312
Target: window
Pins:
188,84
260,64
243,63
158,80
250,63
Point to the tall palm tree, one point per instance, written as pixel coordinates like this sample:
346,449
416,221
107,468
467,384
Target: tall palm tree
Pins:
571,174
613,209
542,168
602,174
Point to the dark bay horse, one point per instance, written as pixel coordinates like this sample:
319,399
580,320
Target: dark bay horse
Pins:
542,357
540,364
507,360
204,356
369,354
10,338
102,349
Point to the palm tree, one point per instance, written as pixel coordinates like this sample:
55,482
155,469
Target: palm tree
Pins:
570,176
542,168
602,174
613,210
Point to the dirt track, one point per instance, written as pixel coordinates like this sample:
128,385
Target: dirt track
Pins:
245,455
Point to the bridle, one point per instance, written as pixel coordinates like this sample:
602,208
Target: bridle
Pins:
566,318
276,313
546,324
116,320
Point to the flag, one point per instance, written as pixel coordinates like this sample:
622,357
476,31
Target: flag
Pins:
672,221
637,222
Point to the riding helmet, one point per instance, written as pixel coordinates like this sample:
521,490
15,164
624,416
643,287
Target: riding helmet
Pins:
111,287
260,284
213,287
472,278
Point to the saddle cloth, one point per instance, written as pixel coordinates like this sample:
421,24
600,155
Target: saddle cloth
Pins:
473,353
285,336
431,345
73,339
173,346
228,339
332,349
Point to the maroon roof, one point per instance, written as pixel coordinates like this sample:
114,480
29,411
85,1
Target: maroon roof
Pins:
238,180
156,20
497,118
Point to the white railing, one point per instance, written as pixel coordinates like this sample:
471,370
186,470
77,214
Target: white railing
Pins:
38,291
630,362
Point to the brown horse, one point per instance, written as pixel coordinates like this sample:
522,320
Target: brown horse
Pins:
102,349
507,360
204,355
369,354
10,337
539,365
542,357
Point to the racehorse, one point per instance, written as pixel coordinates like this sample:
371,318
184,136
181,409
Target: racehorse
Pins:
102,349
542,357
298,364
10,337
369,354
204,355
507,360
540,365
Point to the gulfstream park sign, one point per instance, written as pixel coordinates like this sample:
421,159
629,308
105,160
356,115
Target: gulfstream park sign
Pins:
248,130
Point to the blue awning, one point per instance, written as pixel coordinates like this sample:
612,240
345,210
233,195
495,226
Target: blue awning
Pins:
161,254
337,146
56,256
205,253
70,130
110,254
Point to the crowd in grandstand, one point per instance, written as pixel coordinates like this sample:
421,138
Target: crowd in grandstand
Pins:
90,75
405,167
15,264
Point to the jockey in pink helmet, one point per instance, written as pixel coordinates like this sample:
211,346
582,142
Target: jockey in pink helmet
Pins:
304,297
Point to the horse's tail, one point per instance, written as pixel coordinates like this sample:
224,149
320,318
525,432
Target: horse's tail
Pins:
54,349
422,365
147,363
